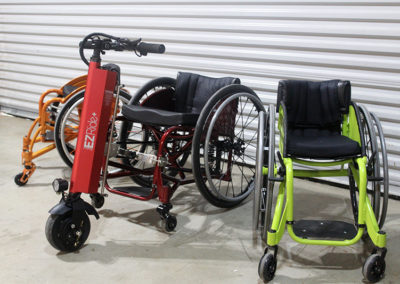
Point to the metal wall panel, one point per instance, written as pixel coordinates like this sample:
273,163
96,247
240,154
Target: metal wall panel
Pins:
259,41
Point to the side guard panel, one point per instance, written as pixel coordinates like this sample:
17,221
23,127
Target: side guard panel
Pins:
76,206
60,208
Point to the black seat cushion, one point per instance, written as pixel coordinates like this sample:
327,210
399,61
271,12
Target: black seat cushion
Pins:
154,116
317,143
192,91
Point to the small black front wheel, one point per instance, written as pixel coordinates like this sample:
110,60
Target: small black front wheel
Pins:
374,268
267,267
18,181
97,200
66,234
170,223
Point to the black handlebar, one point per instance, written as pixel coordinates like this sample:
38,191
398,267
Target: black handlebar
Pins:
100,42
144,48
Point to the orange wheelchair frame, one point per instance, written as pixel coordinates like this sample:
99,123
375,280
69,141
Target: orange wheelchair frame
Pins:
44,125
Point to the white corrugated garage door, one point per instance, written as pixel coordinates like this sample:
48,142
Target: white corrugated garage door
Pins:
259,41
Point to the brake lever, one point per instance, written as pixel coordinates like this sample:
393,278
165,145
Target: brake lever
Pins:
129,44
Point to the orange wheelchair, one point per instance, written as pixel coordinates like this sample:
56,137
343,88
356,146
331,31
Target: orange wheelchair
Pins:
42,128
57,125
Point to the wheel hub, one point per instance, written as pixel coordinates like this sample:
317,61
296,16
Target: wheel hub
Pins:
238,147
72,234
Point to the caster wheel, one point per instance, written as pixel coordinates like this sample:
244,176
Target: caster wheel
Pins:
267,267
374,268
170,223
65,235
97,200
17,180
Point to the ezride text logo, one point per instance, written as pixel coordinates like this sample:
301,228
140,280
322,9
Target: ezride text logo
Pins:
90,134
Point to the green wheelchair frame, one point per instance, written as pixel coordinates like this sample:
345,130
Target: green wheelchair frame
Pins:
369,215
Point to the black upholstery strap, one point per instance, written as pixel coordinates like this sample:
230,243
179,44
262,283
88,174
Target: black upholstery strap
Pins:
343,89
193,90
314,104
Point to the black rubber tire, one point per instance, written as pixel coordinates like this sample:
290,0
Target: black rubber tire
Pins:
60,117
267,267
58,229
374,268
170,223
97,200
219,96
17,180
143,93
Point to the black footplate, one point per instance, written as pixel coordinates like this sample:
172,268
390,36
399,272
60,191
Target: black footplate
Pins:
324,229
135,190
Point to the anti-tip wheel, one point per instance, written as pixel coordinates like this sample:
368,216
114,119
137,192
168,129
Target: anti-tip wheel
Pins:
374,268
17,179
267,267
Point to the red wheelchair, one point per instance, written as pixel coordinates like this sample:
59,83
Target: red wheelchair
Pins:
212,120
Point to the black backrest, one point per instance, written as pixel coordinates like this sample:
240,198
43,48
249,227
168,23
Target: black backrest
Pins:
193,90
314,104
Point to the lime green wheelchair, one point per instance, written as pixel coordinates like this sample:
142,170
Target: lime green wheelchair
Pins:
319,126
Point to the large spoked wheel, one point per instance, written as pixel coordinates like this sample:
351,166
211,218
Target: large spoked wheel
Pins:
224,146
137,138
377,167
65,234
67,125
264,186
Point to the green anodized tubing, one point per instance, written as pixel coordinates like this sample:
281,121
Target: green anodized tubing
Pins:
360,232
265,171
365,212
320,173
279,220
378,239
322,164
365,206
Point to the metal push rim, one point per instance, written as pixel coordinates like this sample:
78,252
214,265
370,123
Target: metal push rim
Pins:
271,165
374,148
262,118
385,171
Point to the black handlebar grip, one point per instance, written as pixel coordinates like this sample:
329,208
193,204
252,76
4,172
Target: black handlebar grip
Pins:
144,48
88,45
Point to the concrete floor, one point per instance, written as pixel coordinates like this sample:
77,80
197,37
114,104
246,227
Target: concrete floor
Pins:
128,244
